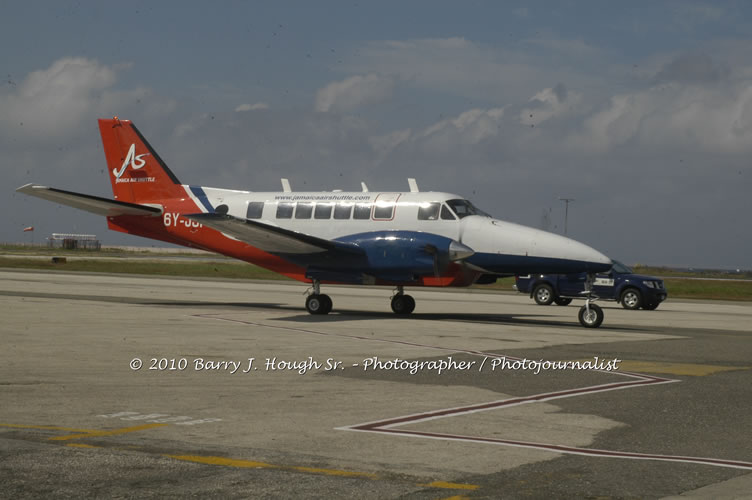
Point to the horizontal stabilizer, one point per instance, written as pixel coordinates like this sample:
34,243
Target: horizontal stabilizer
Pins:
90,203
270,238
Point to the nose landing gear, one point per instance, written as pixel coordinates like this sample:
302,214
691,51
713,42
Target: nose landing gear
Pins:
590,315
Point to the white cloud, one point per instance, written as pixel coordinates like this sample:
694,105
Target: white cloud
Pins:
691,118
252,107
549,103
469,127
461,67
354,92
54,103
386,143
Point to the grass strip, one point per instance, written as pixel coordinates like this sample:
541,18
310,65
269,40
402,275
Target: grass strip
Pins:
677,288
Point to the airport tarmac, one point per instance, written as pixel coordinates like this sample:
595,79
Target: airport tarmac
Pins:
140,386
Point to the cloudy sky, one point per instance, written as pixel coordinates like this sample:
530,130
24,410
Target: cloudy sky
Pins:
640,111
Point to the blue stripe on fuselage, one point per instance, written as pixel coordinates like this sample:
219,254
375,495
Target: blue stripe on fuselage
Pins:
522,264
198,192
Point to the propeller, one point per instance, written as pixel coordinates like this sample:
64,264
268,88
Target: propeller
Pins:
434,252
456,251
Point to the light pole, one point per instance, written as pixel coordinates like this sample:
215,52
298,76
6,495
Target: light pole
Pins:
566,211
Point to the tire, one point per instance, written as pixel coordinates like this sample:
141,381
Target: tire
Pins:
318,304
543,294
403,304
593,319
561,301
328,304
650,307
631,299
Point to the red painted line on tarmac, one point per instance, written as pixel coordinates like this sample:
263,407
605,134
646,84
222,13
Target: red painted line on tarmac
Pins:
452,412
571,450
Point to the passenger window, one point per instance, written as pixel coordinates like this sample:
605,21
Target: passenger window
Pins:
447,214
304,211
255,209
284,210
362,211
323,211
428,211
342,210
383,211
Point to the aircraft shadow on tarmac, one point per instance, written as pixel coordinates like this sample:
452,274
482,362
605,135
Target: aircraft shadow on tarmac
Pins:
350,315
336,315
506,319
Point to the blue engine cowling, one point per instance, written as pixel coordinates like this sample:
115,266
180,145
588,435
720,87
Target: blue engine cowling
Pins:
401,253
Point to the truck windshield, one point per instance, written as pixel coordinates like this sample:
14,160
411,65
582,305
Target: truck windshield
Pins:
463,208
620,268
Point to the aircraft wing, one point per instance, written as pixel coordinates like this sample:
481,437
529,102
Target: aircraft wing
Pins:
271,238
90,203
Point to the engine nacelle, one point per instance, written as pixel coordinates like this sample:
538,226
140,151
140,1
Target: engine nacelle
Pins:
418,253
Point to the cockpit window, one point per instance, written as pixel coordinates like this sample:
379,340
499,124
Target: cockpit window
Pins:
447,214
463,208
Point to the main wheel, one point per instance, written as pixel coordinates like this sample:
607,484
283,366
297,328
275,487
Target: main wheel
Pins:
561,301
591,319
403,304
631,298
318,304
543,294
327,302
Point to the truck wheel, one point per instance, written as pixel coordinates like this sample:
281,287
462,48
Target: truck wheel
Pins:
561,301
543,294
631,299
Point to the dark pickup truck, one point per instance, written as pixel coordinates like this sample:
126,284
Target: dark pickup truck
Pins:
633,291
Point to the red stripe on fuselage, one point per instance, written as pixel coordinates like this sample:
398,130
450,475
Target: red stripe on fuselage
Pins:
172,227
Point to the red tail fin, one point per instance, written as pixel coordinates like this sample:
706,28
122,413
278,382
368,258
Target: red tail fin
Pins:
137,173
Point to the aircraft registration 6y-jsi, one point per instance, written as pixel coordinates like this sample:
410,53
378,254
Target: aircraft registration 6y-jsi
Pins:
377,238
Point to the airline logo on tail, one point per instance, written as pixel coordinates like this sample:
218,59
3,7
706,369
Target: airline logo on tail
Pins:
136,163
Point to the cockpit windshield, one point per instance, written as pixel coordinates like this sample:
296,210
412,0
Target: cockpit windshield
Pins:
463,208
620,268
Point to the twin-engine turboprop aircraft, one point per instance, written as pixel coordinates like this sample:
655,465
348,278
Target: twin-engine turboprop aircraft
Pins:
376,238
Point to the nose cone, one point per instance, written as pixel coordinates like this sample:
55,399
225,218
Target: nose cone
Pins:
508,247
458,251
545,244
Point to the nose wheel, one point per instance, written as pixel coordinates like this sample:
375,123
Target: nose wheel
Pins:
590,315
401,303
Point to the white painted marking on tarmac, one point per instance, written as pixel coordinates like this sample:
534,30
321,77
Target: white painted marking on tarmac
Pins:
160,418
388,426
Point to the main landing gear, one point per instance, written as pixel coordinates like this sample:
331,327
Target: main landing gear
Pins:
401,303
319,303
590,315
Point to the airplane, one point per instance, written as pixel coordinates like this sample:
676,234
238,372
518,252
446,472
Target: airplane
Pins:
395,239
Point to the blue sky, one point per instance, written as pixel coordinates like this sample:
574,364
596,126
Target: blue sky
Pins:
642,111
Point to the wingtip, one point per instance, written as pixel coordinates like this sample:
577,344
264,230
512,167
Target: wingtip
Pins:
28,187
